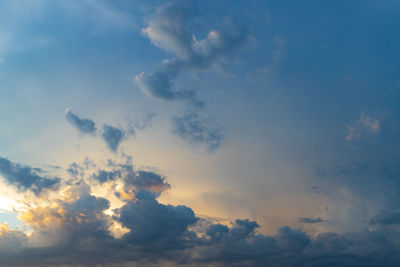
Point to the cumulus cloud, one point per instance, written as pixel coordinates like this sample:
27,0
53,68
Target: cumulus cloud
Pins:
26,178
168,29
75,229
198,131
150,221
133,180
364,125
84,126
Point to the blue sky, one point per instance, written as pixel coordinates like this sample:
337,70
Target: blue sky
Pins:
186,126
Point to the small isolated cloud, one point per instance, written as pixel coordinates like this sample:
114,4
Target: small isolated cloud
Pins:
199,131
363,126
112,136
25,178
311,220
84,126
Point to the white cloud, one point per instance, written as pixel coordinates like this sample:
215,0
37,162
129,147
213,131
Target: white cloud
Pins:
364,125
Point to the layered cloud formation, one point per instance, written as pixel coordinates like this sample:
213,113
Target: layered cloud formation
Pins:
307,91
78,227
168,29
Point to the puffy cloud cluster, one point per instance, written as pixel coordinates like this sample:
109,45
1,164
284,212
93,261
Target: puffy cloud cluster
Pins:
168,29
80,227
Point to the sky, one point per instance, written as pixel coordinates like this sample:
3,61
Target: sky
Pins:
199,133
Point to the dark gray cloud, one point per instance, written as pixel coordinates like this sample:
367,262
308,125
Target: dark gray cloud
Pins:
150,221
112,136
311,220
199,131
134,181
77,232
26,178
85,126
105,176
389,217
147,180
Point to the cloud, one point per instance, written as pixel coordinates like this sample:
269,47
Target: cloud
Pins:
390,217
146,122
26,178
159,86
11,240
133,180
311,220
168,29
113,136
75,229
150,181
156,85
84,126
150,221
364,125
198,131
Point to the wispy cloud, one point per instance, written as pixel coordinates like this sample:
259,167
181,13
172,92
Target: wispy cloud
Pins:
198,131
364,125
